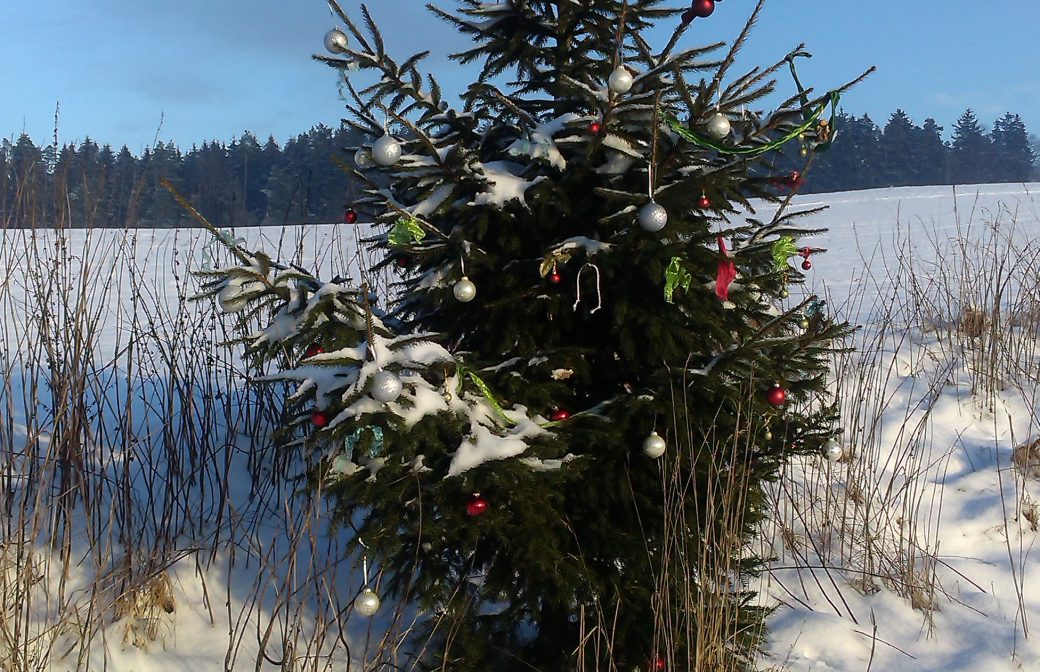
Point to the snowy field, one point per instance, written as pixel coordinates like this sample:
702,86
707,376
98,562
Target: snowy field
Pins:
185,549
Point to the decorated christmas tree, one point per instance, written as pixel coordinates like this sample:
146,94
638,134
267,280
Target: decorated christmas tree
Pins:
550,434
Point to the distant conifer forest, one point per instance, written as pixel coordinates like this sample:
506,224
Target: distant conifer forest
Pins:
246,182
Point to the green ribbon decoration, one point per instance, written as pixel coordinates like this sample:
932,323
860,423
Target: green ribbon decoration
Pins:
488,395
675,276
407,231
698,139
783,249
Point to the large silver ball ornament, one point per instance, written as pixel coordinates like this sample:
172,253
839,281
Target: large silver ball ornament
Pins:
386,151
363,159
718,126
833,451
386,387
367,603
654,446
620,80
653,217
336,41
464,290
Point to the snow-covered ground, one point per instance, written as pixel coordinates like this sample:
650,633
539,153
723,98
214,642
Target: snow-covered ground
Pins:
913,553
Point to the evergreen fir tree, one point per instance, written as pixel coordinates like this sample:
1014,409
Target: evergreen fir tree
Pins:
971,152
1012,155
932,154
901,166
552,438
856,162
1034,144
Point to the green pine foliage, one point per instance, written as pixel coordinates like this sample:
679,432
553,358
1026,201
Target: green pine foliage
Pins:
971,152
1011,149
536,397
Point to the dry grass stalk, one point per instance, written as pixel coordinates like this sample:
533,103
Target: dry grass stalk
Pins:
121,425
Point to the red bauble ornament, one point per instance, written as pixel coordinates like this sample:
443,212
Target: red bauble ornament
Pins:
350,216
319,418
313,349
555,277
702,8
476,505
776,396
595,128
404,261
703,202
806,265
657,663
560,414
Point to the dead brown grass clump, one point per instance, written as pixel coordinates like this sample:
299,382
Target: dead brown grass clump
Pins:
1027,459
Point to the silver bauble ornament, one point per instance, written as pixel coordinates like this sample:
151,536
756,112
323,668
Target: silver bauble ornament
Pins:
833,451
464,290
652,217
718,126
336,41
386,387
784,293
804,323
367,603
620,80
386,151
654,446
768,435
363,159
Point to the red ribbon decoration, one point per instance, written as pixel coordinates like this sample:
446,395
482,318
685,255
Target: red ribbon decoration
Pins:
727,272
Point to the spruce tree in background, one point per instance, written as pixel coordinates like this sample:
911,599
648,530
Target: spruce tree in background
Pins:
1011,150
856,162
971,153
1034,145
897,147
933,154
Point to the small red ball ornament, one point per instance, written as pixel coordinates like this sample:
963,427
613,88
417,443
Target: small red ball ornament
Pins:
702,8
657,663
703,202
313,349
595,128
404,261
319,418
350,216
806,265
476,505
560,414
776,396
555,277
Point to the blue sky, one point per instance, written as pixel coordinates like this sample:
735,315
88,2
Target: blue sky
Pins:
128,72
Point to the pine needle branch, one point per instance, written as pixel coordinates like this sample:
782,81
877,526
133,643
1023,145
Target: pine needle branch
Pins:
738,44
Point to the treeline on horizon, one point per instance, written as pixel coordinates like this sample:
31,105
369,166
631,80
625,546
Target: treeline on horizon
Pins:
248,183
903,154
